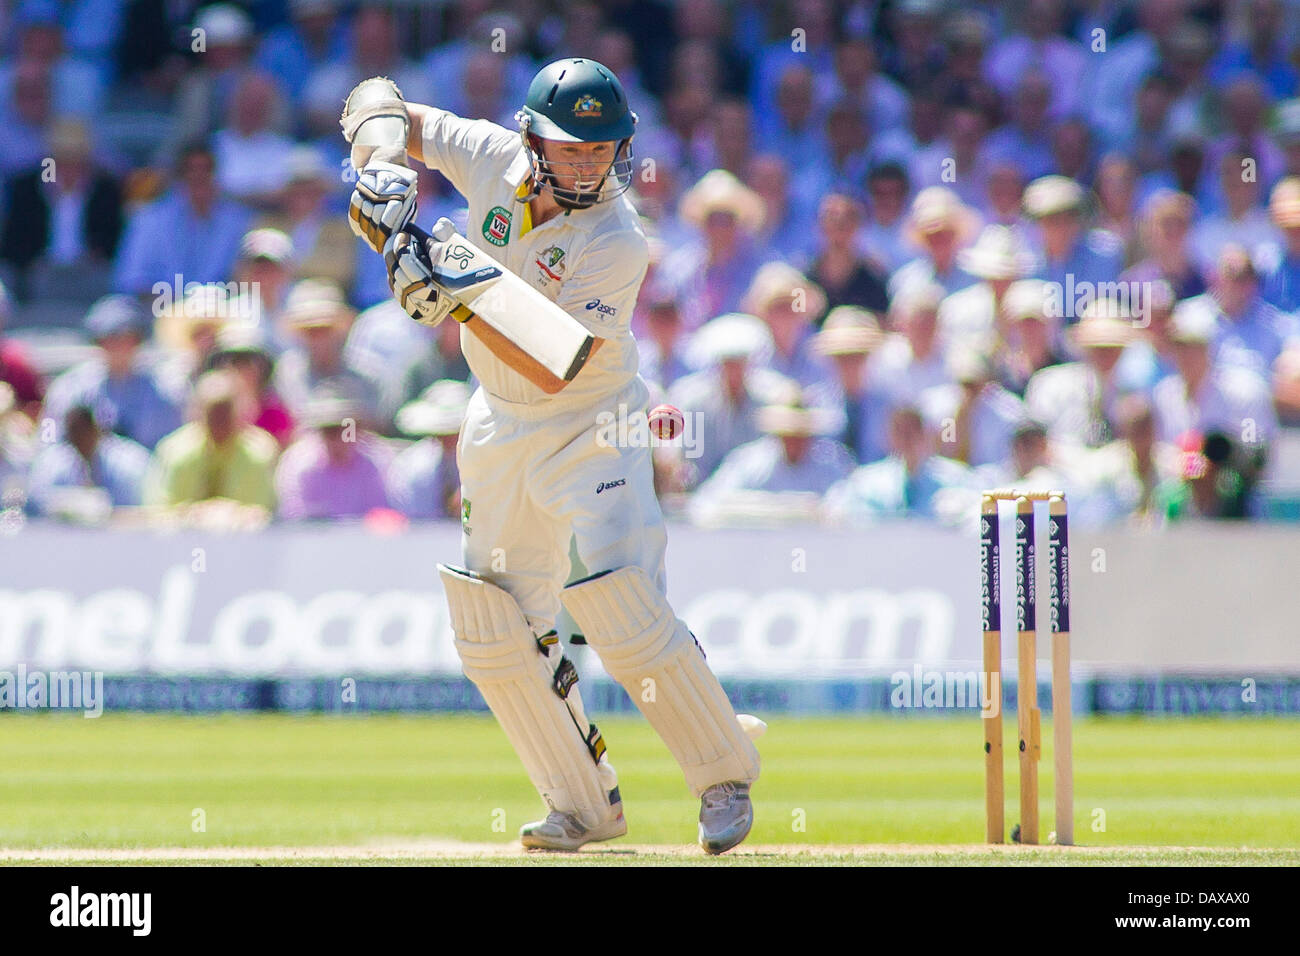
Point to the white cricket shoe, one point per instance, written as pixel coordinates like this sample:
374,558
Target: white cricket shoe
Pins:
725,816
564,831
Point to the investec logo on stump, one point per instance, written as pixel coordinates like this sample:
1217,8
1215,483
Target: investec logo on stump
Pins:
75,909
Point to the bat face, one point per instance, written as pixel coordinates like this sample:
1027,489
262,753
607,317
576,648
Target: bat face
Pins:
532,323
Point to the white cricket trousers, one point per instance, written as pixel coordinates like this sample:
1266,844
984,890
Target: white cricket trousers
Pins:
528,486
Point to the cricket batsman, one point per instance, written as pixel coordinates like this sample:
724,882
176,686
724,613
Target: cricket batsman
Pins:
547,201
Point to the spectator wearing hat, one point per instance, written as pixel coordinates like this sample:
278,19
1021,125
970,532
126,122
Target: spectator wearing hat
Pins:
206,89
796,457
709,276
264,273
16,368
1204,395
423,480
912,482
911,359
940,225
977,415
313,37
242,348
1280,285
1249,331
186,332
215,455
1242,222
843,273
317,321
849,336
968,317
321,244
1076,401
333,470
1056,204
73,220
884,238
662,347
191,232
126,396
790,304
1163,242
252,157
86,458
1028,335
732,384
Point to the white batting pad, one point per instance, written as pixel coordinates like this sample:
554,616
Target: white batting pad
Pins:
500,654
652,654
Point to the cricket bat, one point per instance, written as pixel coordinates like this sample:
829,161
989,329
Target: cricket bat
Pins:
488,291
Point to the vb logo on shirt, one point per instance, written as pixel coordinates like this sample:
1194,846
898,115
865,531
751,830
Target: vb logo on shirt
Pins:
496,227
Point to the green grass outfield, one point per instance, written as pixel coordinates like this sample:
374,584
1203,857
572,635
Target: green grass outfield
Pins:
438,789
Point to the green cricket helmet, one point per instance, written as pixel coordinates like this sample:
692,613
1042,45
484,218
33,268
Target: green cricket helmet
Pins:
578,101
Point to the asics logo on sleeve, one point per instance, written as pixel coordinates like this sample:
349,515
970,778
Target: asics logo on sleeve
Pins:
597,306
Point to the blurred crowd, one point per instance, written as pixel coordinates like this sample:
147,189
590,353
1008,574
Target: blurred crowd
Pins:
901,251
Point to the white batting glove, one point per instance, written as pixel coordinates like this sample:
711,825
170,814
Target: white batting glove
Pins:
383,203
410,276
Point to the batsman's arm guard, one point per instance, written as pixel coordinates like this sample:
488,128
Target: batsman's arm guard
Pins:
376,123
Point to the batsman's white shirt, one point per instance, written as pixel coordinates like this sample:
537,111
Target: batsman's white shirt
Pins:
533,470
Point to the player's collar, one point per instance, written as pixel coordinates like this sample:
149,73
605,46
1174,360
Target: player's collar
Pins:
518,175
